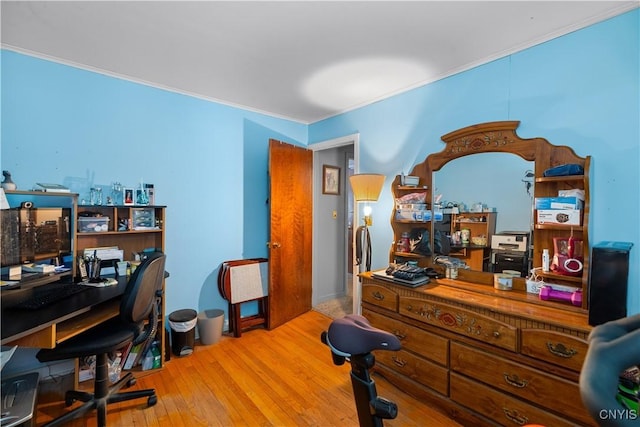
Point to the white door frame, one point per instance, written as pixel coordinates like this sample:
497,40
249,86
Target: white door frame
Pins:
353,139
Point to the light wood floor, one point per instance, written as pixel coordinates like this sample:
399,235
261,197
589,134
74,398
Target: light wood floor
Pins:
283,377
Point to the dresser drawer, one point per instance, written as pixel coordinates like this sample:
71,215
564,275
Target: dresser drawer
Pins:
500,407
380,296
554,347
461,321
416,368
426,344
524,382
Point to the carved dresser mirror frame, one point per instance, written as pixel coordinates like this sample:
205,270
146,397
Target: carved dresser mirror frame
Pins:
501,137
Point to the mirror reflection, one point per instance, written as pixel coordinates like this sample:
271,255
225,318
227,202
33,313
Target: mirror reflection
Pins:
494,195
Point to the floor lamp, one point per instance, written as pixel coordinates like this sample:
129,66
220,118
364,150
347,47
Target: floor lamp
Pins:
366,188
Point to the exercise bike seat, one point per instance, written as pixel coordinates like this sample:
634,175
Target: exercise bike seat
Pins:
353,334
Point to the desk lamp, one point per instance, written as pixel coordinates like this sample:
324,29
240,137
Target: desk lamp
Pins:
366,188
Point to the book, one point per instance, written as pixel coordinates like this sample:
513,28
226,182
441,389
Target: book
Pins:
125,353
52,188
133,356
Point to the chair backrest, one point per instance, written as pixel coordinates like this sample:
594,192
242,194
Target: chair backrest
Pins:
141,292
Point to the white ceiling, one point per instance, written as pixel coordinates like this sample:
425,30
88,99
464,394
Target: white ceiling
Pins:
301,60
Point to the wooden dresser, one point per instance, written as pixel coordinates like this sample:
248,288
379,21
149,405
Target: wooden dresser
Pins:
484,356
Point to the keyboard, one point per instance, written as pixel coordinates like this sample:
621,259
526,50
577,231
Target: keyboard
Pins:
45,298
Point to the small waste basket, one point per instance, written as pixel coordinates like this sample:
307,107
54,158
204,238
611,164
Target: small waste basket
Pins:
210,324
183,332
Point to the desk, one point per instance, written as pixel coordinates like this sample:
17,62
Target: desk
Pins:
46,327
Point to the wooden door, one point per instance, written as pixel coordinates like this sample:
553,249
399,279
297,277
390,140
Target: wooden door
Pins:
291,199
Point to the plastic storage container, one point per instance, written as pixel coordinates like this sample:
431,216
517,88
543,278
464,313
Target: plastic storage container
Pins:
183,332
93,224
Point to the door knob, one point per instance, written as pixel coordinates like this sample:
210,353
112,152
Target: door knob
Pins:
274,245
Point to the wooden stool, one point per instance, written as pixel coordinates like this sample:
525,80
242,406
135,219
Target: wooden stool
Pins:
243,281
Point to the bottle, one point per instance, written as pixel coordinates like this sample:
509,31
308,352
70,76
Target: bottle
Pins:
157,357
545,260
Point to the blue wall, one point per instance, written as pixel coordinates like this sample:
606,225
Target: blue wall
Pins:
209,161
580,90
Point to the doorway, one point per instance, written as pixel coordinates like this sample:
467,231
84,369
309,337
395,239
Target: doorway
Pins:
334,222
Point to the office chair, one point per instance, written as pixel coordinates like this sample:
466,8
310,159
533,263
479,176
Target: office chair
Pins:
353,338
138,307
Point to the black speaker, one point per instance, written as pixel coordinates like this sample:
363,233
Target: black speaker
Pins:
608,273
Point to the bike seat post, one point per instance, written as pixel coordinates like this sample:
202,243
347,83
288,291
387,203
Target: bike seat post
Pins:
353,338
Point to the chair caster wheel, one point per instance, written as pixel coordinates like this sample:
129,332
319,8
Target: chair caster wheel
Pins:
152,400
131,382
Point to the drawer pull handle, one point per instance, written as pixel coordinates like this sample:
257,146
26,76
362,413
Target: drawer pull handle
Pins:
515,417
378,296
496,334
515,381
560,350
419,311
400,363
399,335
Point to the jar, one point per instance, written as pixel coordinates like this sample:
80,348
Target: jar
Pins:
405,243
465,234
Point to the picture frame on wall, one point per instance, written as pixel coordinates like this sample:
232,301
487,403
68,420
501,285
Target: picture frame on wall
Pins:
129,197
330,180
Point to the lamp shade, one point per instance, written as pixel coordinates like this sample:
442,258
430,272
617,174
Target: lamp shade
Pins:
366,187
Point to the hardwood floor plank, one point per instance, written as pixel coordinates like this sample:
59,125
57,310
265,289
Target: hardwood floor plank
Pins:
283,377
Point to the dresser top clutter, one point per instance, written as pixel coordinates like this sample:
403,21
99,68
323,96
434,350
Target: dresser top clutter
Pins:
488,344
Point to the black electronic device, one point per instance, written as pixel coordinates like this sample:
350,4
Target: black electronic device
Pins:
609,269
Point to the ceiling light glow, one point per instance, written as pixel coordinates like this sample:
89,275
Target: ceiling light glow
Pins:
353,83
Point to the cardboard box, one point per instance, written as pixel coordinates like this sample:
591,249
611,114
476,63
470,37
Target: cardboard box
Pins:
413,215
560,216
558,203
574,192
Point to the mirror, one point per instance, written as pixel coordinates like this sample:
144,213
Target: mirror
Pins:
497,180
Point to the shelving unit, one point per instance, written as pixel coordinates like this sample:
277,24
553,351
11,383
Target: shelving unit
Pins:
544,234
122,230
132,229
401,226
479,224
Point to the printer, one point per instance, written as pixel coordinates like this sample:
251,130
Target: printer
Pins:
510,251
515,241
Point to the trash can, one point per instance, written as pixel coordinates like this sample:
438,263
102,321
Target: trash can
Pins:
210,324
183,332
